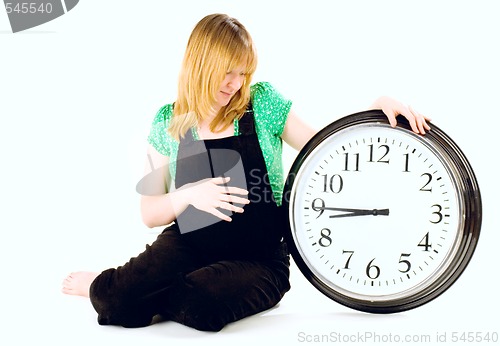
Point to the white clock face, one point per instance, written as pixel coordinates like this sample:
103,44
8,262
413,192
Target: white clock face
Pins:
375,213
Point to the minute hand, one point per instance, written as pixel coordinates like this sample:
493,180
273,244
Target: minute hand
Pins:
356,212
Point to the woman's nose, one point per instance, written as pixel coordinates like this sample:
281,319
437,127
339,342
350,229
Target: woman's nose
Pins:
235,81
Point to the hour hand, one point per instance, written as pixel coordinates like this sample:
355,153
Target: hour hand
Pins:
356,212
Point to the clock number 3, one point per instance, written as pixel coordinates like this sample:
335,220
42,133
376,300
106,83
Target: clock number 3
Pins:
437,213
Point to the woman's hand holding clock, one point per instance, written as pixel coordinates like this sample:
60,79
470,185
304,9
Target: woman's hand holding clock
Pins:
392,108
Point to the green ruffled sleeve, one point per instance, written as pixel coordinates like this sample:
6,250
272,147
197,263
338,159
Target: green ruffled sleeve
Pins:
158,136
271,107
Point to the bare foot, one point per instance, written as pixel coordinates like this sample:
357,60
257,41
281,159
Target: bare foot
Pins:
78,283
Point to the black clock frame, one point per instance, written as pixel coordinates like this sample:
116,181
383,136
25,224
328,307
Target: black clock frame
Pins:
468,192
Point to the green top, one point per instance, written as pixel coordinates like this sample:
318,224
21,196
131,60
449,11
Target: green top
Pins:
270,112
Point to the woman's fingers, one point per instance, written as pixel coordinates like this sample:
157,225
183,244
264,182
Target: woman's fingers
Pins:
420,120
417,121
227,206
220,215
230,207
234,199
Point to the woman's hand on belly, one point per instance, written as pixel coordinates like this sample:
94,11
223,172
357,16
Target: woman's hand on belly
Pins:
209,195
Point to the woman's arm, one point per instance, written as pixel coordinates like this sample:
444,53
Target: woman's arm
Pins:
158,207
297,133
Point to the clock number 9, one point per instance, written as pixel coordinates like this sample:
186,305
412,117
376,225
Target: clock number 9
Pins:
320,208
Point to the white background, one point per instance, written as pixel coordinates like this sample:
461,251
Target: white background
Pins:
78,94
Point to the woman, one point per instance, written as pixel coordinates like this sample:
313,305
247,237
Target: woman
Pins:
215,178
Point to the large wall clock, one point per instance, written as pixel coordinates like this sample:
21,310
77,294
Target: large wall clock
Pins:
381,219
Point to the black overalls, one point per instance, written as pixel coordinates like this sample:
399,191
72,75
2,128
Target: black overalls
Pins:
202,271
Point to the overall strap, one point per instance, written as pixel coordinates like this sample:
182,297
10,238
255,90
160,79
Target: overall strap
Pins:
246,123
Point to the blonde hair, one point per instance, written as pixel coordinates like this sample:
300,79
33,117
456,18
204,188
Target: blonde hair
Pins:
217,45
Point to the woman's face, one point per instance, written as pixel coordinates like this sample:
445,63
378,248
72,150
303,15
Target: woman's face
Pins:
229,87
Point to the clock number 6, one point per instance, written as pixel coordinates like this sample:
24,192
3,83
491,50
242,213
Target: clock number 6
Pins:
370,268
